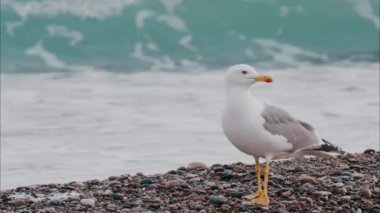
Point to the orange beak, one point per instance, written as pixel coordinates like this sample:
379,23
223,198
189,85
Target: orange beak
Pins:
264,78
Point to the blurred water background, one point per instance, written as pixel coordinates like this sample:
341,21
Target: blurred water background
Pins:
96,88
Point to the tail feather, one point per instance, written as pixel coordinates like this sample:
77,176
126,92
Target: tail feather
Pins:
325,149
327,146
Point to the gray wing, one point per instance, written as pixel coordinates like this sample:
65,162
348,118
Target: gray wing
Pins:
279,122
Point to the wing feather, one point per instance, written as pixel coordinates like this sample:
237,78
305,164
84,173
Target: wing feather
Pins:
299,133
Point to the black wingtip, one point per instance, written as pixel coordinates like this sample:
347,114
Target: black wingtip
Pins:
328,147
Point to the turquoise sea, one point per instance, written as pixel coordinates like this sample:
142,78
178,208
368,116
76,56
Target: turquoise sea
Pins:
94,88
175,35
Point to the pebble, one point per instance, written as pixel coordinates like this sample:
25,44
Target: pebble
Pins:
339,185
366,193
218,199
309,186
77,184
107,192
369,152
196,179
322,193
196,165
357,175
286,194
308,179
345,198
222,188
146,182
88,202
111,207
111,178
235,193
172,184
190,175
226,175
376,190
247,203
308,199
198,207
117,196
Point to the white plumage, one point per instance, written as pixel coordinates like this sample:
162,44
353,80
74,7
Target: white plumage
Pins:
262,130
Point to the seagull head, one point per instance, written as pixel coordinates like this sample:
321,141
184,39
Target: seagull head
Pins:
245,76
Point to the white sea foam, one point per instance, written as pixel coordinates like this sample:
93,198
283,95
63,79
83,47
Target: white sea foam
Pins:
142,16
286,53
249,52
51,60
191,65
152,46
12,25
170,5
156,63
99,9
86,125
185,41
173,22
58,30
364,9
286,10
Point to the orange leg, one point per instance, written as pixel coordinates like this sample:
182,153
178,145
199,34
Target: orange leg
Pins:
259,191
263,198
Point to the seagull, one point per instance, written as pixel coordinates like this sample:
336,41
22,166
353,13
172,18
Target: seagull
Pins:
265,131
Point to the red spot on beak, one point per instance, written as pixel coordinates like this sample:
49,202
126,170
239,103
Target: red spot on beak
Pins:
268,80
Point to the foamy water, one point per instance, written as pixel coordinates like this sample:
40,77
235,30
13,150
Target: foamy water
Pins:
60,127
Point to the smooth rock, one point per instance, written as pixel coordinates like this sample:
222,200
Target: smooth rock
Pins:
218,199
77,184
308,186
308,179
345,198
172,184
226,175
308,199
339,185
196,165
107,192
88,202
366,193
117,196
322,193
218,169
286,194
146,182
198,207
111,178
357,175
111,207
376,190
235,193
369,152
247,203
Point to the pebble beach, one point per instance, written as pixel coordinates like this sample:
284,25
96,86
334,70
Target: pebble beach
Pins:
349,183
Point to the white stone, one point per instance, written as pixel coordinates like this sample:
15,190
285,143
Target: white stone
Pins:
88,202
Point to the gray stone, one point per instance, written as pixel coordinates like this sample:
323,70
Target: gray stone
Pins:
218,199
196,165
88,202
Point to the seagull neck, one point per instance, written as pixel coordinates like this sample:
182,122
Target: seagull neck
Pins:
239,94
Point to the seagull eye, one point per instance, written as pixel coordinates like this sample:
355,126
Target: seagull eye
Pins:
244,72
